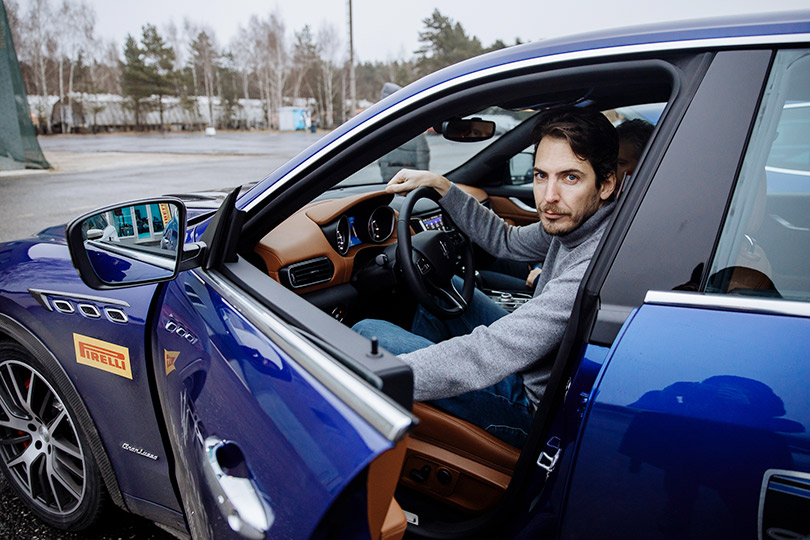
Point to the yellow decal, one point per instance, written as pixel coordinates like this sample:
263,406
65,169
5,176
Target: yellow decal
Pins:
102,355
170,357
165,213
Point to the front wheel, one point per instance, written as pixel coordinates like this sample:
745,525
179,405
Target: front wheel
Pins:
43,452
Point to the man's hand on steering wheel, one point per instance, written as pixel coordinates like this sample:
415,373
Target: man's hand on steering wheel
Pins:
407,180
429,259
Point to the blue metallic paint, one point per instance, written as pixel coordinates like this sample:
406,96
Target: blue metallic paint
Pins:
288,426
121,269
121,405
681,392
688,416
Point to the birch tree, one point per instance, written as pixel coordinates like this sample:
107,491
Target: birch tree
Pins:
243,58
205,57
74,39
37,50
328,47
272,68
305,61
177,40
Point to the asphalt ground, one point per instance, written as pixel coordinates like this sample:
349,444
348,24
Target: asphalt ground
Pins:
90,171
94,170
18,523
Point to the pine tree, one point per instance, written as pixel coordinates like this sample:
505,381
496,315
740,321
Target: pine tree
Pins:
158,60
444,43
135,80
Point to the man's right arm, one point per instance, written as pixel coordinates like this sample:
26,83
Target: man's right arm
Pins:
487,229
482,225
407,180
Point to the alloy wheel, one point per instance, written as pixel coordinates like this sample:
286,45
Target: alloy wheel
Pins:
39,444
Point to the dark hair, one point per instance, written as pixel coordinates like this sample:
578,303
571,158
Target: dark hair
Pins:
637,132
588,132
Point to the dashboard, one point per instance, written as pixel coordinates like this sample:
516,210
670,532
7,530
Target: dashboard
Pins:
317,246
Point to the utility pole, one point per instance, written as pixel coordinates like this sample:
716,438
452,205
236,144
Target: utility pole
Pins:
352,79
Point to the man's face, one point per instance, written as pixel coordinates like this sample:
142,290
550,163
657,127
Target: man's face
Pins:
627,161
565,191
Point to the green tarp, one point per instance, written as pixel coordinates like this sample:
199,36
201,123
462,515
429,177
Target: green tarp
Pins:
18,141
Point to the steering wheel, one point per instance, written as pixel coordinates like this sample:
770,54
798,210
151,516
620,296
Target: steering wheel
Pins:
429,260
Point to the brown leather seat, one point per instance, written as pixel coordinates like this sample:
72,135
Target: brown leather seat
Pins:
454,461
386,520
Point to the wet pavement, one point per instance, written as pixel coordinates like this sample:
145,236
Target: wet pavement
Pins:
94,170
224,142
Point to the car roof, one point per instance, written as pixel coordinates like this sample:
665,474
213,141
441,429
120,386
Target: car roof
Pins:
734,30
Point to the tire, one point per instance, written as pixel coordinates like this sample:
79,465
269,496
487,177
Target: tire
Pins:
44,454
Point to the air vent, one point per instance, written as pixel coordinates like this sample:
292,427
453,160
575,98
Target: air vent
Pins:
63,306
89,310
116,315
308,273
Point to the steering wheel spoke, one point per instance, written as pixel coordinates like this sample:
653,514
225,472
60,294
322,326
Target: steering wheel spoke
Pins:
429,260
451,296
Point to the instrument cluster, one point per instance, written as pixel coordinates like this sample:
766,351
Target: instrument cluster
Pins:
361,227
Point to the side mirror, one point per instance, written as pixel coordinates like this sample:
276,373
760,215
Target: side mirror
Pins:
467,130
131,244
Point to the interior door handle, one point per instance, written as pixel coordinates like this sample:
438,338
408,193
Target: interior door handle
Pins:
234,491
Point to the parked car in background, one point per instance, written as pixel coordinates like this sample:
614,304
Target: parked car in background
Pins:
199,368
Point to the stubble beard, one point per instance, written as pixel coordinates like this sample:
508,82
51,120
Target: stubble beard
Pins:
568,222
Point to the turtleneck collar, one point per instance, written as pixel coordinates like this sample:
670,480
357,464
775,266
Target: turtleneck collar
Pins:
574,238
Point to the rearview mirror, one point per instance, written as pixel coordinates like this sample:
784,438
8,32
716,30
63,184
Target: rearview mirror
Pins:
467,130
126,245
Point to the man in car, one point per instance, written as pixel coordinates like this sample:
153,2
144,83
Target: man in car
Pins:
489,367
633,137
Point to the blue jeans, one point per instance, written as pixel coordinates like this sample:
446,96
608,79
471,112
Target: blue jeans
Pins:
502,409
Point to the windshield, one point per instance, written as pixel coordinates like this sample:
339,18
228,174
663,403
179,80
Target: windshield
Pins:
431,151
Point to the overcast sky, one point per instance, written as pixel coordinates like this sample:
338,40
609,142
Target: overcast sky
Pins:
386,30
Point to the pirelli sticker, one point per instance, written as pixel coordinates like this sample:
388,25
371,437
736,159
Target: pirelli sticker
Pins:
102,355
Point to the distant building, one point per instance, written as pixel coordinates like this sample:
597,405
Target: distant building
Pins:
94,113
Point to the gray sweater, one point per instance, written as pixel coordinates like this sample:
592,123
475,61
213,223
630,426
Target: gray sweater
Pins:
525,340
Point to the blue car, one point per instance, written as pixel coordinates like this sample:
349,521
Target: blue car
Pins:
194,363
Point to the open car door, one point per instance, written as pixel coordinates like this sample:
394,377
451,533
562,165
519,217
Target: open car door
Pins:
268,432
274,433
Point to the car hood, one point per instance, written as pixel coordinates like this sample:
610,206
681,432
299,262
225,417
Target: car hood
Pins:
202,202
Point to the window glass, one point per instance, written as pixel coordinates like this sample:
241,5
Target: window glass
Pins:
764,249
430,151
123,222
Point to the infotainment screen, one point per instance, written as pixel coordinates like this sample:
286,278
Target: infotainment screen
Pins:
433,223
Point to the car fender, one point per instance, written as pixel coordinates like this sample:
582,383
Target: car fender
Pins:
34,273
14,330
